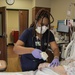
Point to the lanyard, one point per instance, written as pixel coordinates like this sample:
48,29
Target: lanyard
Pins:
36,43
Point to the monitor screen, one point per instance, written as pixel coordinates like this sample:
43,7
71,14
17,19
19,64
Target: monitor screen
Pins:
61,27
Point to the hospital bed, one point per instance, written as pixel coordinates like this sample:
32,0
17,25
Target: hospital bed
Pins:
3,68
69,53
45,71
70,49
17,73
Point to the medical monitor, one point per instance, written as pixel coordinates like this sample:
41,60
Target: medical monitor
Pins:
62,27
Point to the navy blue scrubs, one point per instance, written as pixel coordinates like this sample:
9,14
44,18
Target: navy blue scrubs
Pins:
28,62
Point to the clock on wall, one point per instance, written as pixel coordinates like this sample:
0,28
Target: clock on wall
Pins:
10,2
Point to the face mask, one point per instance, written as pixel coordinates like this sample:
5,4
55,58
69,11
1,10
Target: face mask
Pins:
44,28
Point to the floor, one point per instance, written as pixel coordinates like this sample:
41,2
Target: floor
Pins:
13,62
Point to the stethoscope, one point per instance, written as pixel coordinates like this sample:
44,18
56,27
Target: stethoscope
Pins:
35,42
38,43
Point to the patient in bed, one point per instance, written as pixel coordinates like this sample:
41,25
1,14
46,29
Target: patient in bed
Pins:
66,67
62,69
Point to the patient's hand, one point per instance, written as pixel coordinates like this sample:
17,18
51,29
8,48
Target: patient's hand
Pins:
43,65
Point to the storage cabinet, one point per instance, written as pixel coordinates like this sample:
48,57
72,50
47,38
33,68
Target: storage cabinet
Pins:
3,35
3,50
36,9
14,36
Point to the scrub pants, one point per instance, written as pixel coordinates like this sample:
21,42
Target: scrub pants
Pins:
28,62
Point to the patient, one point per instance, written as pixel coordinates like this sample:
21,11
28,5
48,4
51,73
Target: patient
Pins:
58,69
67,67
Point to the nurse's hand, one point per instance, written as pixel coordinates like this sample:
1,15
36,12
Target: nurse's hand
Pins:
55,62
37,53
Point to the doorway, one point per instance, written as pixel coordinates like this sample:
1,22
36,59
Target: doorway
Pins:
23,20
17,21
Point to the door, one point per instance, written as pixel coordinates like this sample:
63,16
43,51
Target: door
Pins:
23,20
3,42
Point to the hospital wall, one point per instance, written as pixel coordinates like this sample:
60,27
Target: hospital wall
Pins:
12,24
19,4
58,9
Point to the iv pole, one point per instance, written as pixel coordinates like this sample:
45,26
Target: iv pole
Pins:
71,28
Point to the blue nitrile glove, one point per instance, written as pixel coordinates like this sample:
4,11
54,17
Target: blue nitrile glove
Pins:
36,53
55,62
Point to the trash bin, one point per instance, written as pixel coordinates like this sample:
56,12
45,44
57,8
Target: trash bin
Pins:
14,36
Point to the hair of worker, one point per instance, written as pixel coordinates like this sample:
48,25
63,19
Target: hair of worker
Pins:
43,13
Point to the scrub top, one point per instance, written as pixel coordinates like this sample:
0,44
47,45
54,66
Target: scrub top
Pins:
28,62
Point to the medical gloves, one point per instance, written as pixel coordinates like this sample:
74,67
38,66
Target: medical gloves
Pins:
55,62
37,53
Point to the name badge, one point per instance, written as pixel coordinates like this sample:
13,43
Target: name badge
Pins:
38,43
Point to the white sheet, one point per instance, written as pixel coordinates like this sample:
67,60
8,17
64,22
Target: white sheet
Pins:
17,73
46,71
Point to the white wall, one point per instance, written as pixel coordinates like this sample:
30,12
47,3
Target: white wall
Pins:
33,3
59,9
42,3
12,24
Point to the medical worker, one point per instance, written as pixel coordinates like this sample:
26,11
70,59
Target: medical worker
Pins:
35,40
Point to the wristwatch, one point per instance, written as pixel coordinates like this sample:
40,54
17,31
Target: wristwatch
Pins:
10,2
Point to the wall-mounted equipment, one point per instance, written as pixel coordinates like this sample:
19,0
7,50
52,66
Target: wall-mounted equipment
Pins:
61,27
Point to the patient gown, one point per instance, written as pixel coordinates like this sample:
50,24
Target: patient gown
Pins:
70,68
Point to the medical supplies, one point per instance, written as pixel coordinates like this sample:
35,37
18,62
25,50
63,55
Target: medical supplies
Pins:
44,55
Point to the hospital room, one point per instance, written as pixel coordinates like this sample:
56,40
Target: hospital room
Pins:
37,37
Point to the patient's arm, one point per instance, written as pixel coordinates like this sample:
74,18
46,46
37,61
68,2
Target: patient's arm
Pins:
43,65
58,69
